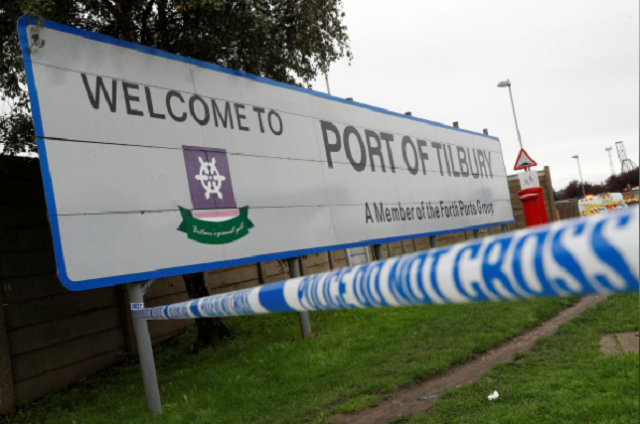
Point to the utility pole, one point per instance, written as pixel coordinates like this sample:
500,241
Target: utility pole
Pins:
584,193
507,83
613,171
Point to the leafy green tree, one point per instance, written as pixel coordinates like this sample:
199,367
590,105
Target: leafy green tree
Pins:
291,41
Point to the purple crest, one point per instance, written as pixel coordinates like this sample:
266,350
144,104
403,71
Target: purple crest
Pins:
209,178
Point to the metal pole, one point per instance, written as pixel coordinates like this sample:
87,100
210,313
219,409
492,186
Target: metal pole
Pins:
377,251
584,193
326,78
433,241
305,324
476,234
504,228
514,116
145,353
613,171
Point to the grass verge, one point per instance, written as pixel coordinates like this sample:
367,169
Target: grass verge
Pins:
266,374
564,379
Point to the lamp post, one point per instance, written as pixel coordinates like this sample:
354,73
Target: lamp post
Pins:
613,171
507,84
584,193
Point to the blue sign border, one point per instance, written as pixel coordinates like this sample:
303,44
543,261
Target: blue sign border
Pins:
25,21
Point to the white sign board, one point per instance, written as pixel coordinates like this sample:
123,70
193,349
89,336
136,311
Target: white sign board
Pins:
157,165
529,179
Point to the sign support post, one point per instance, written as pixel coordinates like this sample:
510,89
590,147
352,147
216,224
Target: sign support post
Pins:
145,351
305,324
433,241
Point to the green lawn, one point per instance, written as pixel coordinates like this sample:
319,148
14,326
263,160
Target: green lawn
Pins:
565,379
266,374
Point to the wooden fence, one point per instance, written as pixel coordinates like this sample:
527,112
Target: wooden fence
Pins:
568,209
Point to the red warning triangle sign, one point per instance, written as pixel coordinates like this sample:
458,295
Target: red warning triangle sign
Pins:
524,161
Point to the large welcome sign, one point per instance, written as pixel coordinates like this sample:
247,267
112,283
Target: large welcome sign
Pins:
157,165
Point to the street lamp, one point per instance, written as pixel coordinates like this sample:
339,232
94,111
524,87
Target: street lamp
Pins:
584,193
507,83
613,171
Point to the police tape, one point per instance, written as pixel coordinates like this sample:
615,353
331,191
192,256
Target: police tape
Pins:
599,254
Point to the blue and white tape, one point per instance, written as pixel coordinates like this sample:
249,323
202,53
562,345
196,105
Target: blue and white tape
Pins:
577,257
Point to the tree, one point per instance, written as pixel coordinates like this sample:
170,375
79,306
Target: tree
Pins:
614,184
573,190
291,41
618,183
209,329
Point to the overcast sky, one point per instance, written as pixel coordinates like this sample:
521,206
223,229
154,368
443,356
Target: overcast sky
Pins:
573,66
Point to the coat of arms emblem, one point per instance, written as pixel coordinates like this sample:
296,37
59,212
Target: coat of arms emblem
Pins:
215,218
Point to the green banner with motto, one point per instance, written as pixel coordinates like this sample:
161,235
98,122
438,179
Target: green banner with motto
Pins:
210,232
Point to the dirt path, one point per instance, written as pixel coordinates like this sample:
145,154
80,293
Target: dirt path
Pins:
422,396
